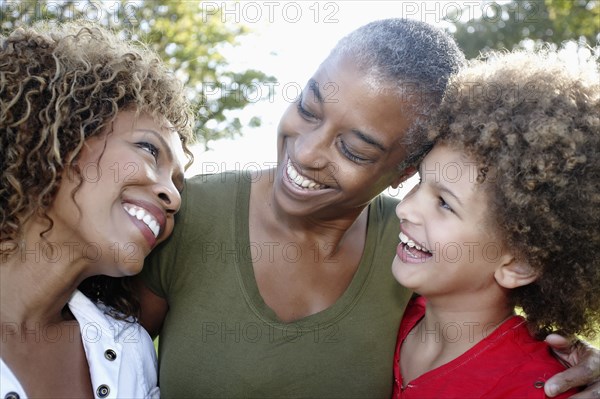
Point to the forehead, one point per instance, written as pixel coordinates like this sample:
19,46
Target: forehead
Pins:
350,95
449,166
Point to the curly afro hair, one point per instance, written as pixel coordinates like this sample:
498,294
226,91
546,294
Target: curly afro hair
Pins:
60,86
531,122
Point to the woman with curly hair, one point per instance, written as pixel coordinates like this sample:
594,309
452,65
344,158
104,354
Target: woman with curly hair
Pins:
93,132
507,214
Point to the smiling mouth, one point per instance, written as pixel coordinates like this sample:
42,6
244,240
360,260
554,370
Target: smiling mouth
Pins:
413,249
301,181
144,216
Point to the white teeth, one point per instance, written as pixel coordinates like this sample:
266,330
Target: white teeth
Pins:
410,254
300,180
292,172
144,216
410,243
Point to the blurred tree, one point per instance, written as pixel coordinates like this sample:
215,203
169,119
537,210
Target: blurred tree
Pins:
512,24
188,36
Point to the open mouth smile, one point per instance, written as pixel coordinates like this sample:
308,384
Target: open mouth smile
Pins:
412,249
301,181
144,216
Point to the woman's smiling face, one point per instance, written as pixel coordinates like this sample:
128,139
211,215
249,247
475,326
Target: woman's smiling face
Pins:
339,145
131,178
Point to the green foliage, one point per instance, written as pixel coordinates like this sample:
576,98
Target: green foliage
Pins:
510,24
188,37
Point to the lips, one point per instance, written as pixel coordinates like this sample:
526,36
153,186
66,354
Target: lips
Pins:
411,243
411,252
144,216
148,217
300,181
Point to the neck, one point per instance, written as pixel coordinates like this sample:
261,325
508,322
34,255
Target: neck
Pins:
462,324
330,230
37,280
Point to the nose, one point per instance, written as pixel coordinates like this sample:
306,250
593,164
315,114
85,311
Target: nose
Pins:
168,195
311,145
407,209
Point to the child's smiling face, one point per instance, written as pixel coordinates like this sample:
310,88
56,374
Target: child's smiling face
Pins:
448,243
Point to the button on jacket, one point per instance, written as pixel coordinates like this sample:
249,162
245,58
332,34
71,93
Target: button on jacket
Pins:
120,355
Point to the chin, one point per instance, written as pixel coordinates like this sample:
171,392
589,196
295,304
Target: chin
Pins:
131,268
400,275
396,265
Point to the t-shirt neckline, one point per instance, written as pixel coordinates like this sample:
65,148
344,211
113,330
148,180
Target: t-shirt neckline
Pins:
247,279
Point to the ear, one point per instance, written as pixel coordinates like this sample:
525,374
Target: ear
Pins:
403,176
513,273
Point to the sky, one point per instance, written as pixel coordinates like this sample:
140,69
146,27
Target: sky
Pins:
289,40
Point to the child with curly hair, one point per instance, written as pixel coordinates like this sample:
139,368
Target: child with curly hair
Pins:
93,132
507,214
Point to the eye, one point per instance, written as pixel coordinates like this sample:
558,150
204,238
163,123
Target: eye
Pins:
149,147
306,114
444,205
348,153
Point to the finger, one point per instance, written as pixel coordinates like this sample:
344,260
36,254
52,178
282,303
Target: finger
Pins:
559,343
592,392
574,377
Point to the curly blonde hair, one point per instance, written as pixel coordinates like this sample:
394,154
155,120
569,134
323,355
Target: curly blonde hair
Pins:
60,86
531,122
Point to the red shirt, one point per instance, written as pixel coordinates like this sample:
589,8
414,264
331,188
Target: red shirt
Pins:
508,363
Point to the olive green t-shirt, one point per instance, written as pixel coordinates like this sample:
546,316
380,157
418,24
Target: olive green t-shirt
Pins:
220,340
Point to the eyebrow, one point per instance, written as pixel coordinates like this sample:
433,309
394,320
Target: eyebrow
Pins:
441,187
178,178
450,193
313,86
369,140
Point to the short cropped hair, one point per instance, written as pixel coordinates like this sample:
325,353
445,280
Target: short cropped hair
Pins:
407,57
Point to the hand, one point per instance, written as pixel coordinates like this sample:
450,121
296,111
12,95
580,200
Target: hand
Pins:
583,361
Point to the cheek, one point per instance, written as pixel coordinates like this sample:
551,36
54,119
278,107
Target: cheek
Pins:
124,172
288,120
490,251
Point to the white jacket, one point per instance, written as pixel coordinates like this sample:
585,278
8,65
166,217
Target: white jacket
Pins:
120,355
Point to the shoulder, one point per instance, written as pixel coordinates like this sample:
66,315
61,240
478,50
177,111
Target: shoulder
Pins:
216,181
203,192
529,364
